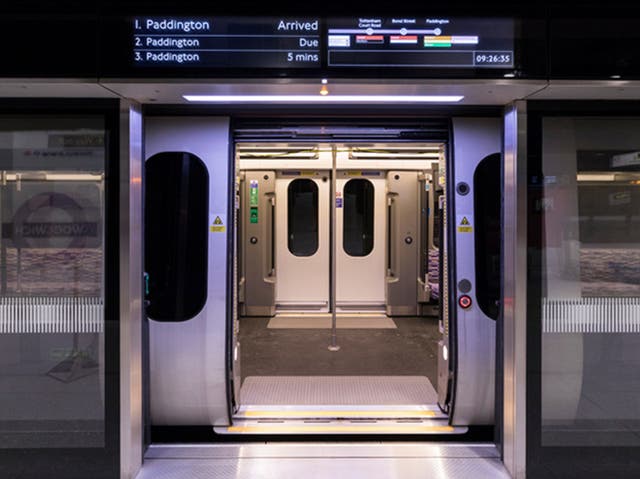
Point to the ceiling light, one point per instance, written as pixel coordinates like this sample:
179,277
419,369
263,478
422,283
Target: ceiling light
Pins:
596,177
324,99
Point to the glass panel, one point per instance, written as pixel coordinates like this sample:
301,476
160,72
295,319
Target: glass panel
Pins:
357,224
590,377
488,208
176,235
302,216
52,212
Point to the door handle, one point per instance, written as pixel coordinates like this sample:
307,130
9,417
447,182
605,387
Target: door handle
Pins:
268,271
391,228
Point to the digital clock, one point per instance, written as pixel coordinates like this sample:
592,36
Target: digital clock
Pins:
493,58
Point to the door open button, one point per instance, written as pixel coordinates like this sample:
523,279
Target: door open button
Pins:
464,301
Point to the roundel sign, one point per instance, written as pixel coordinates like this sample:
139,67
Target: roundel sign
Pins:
54,220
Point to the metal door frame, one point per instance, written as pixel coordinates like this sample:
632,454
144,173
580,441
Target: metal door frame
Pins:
514,294
133,331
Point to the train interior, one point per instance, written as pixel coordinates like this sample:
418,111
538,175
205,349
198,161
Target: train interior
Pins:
372,266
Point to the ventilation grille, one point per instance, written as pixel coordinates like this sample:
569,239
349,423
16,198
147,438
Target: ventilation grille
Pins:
591,315
330,130
419,151
277,151
51,315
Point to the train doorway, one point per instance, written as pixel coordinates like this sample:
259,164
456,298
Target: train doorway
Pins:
361,238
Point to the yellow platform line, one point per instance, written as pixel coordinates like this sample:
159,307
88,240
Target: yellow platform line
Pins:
333,429
346,413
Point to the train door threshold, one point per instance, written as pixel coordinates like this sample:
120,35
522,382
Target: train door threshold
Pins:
339,405
377,460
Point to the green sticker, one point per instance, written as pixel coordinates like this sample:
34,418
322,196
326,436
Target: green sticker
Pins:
253,193
253,215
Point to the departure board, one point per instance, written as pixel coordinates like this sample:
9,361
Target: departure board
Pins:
226,42
436,43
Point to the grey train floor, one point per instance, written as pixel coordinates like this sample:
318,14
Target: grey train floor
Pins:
411,349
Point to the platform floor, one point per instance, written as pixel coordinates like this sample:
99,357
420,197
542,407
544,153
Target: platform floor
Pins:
321,460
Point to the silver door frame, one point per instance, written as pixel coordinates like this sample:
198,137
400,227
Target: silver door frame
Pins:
131,295
514,293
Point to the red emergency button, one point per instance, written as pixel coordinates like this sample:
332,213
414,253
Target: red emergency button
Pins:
464,301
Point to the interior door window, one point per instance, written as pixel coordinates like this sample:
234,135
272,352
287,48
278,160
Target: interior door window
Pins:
302,217
357,225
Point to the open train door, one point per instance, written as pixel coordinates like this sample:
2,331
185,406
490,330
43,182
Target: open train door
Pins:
471,272
188,196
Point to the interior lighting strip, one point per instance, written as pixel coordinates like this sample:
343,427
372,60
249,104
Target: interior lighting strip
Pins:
324,99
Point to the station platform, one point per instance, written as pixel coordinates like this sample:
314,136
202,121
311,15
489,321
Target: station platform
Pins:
379,460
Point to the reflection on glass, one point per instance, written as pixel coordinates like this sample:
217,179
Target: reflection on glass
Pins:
591,282
51,283
302,217
357,222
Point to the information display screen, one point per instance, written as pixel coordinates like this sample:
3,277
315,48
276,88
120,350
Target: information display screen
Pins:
318,46
226,42
436,43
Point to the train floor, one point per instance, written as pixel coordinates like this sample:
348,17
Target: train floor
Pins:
380,380
409,349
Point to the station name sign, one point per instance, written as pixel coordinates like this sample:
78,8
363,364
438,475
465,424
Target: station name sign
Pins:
316,43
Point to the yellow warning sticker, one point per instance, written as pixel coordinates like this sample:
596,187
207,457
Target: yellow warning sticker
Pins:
217,226
464,224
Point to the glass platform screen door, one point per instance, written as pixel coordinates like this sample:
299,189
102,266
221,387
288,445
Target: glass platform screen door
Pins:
58,343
